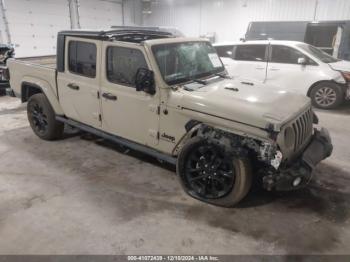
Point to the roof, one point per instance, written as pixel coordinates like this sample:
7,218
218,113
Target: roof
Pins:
176,40
125,34
173,30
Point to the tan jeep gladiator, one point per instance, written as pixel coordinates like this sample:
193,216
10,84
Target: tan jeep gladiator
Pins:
170,97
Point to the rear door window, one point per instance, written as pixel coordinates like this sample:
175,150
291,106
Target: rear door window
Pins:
255,53
82,58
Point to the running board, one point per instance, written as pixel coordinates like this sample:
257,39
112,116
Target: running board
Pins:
132,145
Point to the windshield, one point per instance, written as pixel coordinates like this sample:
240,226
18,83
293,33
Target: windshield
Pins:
183,62
318,53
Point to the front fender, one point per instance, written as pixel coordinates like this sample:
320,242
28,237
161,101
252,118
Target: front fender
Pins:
193,126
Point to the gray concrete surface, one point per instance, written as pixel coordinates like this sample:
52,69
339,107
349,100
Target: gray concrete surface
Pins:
82,195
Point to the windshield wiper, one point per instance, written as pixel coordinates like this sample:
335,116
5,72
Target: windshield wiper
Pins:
202,82
222,75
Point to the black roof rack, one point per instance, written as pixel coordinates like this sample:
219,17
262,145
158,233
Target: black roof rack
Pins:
125,34
141,28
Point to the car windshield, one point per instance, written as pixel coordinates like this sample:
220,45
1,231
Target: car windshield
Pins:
183,62
318,53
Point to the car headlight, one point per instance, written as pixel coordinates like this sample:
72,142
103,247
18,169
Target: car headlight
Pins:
346,75
277,160
340,79
270,154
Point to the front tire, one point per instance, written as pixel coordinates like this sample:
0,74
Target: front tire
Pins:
42,118
327,95
208,174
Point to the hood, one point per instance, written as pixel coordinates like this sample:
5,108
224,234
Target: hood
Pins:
252,104
340,66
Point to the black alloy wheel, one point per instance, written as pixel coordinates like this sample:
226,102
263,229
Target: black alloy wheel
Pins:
42,118
38,117
209,172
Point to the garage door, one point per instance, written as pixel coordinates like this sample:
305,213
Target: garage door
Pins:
34,25
100,14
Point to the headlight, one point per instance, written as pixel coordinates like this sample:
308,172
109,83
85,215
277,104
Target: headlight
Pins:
340,79
277,160
346,76
270,154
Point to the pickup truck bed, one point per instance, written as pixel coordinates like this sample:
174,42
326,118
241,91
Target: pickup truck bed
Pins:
46,61
40,71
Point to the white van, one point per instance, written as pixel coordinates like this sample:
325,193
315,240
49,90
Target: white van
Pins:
290,66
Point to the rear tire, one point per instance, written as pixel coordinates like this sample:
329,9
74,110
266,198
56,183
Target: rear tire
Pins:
42,118
326,95
226,180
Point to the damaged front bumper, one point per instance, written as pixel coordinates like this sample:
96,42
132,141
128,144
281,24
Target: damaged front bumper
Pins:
300,173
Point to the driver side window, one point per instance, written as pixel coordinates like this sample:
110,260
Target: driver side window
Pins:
286,55
123,63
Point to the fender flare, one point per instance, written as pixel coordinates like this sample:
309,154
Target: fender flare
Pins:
46,89
191,127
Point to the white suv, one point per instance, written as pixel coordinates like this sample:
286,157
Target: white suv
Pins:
290,66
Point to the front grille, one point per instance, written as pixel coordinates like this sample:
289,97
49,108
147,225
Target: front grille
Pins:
302,129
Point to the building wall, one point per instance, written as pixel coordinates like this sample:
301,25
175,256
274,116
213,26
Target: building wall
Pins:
229,19
179,13
133,12
99,14
333,10
4,35
33,24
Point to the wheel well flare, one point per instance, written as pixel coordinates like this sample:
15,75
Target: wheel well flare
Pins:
28,90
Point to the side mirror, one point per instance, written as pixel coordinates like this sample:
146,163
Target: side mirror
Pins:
144,81
302,61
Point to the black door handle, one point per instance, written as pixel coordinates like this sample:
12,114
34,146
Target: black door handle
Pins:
73,86
109,96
